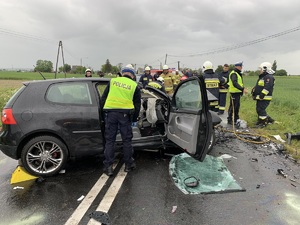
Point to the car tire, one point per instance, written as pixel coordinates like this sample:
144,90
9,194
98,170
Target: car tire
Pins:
212,141
44,156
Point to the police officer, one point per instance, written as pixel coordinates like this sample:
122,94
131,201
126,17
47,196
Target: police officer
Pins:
212,84
88,73
146,77
121,100
236,90
169,80
262,93
223,88
158,84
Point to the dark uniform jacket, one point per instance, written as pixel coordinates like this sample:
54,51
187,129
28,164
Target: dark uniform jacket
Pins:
145,79
223,77
212,82
263,89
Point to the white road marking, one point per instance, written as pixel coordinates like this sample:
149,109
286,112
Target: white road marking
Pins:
110,195
88,200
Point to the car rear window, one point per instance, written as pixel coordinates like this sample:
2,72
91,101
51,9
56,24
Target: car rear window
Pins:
69,93
14,97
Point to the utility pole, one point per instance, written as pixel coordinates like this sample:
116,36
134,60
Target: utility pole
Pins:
166,59
178,65
62,52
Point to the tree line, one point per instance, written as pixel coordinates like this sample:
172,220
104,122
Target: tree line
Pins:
47,66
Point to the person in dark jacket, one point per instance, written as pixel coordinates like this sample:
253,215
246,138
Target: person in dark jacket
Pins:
236,90
212,84
262,93
223,88
121,101
146,77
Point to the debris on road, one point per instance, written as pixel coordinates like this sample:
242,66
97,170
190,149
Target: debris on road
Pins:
290,136
280,171
191,181
62,171
277,137
227,156
81,197
101,217
174,208
254,160
18,187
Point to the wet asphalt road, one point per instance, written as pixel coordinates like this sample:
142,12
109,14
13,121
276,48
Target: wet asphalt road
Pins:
148,194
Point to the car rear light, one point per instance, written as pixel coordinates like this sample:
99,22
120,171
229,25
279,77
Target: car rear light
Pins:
7,117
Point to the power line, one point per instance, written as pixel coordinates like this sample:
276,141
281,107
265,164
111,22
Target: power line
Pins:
240,45
24,35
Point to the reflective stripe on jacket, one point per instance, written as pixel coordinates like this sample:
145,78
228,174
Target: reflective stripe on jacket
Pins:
169,80
212,82
120,94
264,85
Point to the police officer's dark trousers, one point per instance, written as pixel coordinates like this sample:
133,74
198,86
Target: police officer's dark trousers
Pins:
261,106
234,107
117,121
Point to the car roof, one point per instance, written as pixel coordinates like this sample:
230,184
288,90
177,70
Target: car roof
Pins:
60,80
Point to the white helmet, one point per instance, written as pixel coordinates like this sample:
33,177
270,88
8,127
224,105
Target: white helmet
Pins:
88,70
266,67
165,67
161,79
129,66
207,65
147,68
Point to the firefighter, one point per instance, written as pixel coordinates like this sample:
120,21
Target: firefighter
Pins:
177,79
121,101
262,93
158,84
223,88
146,77
88,73
236,90
169,80
212,84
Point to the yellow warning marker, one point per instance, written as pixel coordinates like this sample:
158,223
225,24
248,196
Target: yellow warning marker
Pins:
21,175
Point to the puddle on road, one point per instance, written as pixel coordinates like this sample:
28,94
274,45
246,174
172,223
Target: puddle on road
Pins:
209,176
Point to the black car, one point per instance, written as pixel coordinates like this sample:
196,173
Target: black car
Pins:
45,123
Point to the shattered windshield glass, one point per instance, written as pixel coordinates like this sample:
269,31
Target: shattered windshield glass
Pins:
194,177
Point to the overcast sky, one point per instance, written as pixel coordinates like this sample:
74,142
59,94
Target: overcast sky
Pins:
144,31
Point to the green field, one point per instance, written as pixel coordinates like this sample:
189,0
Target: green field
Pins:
284,108
12,75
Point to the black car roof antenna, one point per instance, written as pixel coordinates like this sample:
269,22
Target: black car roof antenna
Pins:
40,73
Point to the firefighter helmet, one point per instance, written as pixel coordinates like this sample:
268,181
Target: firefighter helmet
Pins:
147,68
165,67
207,65
88,70
266,67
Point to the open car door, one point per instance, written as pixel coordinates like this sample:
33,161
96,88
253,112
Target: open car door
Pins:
190,123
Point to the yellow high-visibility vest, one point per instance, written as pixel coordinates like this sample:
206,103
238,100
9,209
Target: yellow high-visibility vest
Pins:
233,89
120,96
